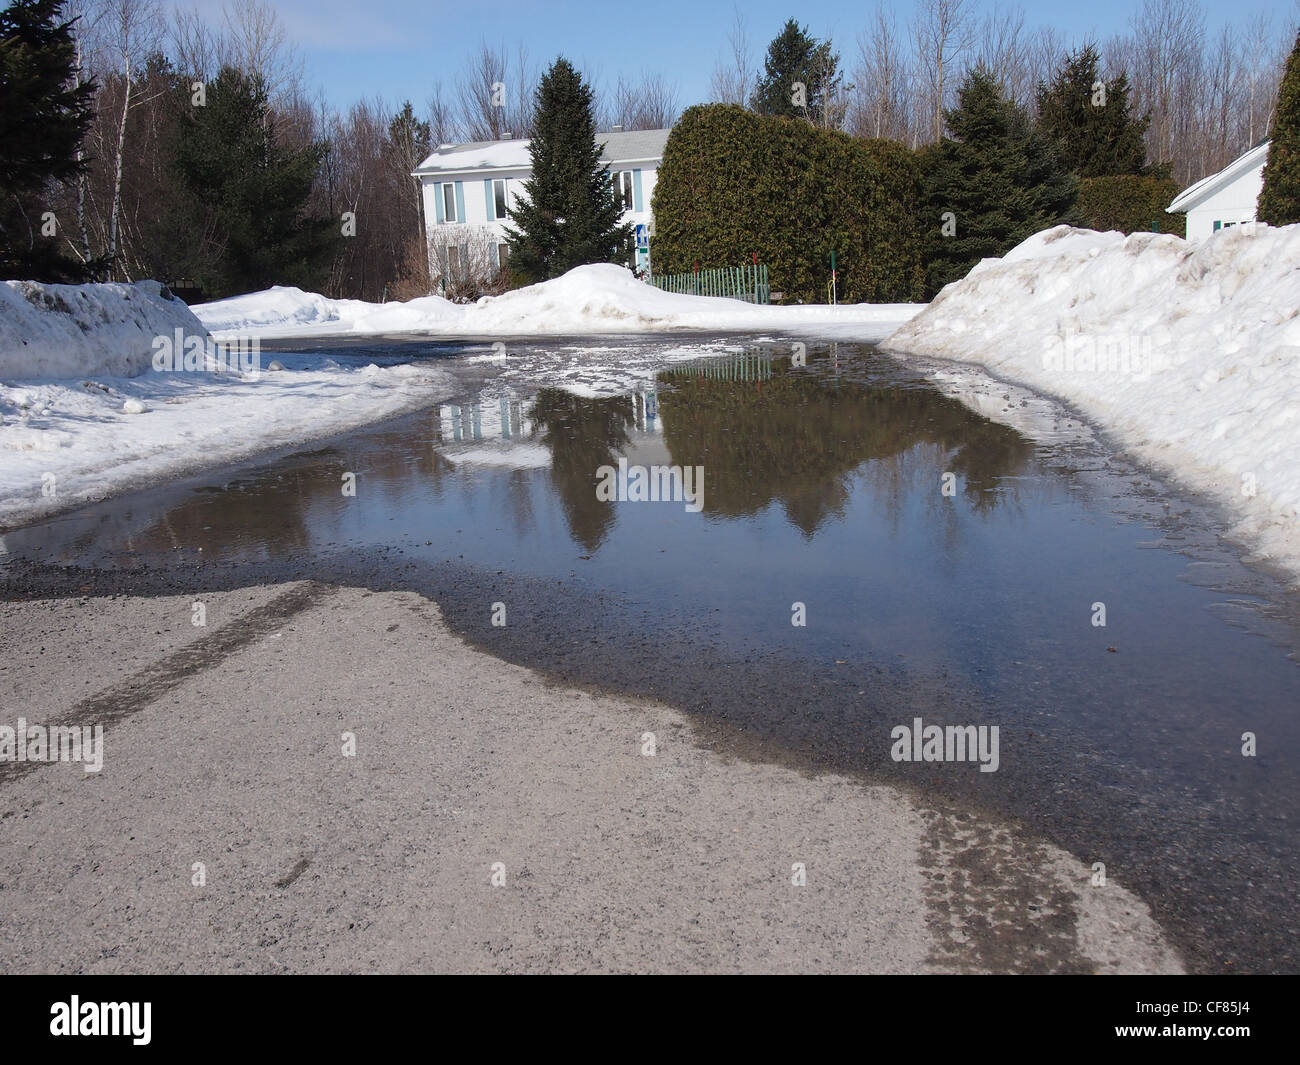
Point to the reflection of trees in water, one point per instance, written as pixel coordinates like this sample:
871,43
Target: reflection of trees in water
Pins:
519,500
583,434
794,438
266,510
277,508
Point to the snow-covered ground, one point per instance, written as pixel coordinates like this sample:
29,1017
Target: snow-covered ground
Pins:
588,300
85,413
1187,354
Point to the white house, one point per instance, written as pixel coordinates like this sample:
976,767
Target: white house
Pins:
467,190
1224,199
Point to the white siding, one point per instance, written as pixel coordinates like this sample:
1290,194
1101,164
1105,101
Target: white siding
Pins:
1233,204
476,225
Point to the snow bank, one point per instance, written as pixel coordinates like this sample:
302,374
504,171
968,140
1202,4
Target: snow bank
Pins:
64,443
587,300
1187,353
276,307
84,414
54,331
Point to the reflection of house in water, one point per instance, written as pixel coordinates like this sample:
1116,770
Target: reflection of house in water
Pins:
502,419
502,430
646,405
506,419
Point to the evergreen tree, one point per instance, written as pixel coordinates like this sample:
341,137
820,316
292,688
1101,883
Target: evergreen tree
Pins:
408,137
1279,200
42,121
571,215
796,56
1091,120
998,182
244,196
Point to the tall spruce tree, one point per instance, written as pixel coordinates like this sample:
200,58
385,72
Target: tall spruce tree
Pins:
1091,119
42,121
995,183
571,215
796,56
245,196
1279,200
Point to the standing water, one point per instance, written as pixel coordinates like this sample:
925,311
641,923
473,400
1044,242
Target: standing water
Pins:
858,552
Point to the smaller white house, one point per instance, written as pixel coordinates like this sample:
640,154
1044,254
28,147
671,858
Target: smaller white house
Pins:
468,189
1224,199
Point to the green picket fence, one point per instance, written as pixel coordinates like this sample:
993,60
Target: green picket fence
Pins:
751,366
734,282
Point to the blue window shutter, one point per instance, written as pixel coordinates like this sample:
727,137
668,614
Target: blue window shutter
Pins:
437,202
489,200
1218,226
636,190
460,201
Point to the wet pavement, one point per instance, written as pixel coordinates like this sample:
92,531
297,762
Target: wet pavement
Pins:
945,567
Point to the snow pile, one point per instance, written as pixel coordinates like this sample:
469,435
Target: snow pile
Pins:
84,413
56,331
277,307
588,300
1188,353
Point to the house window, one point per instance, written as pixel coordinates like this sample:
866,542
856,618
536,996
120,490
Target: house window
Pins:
1218,226
449,201
499,196
622,180
453,260
503,256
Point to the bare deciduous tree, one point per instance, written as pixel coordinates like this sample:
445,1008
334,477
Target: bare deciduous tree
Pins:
1167,36
83,17
132,30
1003,48
195,46
881,82
650,103
734,77
444,128
256,43
490,107
941,34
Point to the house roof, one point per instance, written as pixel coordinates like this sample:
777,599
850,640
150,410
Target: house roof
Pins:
638,145
633,146
1208,186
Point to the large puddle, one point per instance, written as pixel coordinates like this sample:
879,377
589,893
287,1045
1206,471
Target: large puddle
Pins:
943,566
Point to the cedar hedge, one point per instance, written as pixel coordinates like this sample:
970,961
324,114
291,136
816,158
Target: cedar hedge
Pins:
734,184
1279,199
1129,203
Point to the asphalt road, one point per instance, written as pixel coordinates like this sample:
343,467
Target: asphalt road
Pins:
490,819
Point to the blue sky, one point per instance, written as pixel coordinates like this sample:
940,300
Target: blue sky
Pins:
398,48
